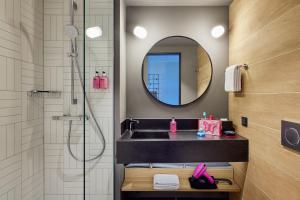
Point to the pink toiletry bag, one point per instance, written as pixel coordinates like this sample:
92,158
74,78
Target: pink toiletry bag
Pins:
211,127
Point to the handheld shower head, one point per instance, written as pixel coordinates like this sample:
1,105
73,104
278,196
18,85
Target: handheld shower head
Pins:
74,4
71,31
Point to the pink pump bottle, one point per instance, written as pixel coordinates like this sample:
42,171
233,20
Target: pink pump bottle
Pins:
173,126
103,81
96,81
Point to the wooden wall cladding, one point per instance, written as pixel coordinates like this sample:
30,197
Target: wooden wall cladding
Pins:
204,71
265,34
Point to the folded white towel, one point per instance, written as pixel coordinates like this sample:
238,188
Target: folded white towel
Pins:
165,182
233,79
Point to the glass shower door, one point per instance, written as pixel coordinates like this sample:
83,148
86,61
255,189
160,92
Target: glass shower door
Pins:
98,104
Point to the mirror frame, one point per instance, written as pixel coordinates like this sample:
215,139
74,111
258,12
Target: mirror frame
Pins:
182,105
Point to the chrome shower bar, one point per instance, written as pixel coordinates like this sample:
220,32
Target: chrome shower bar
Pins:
73,53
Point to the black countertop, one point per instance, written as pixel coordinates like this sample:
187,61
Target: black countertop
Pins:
184,146
181,135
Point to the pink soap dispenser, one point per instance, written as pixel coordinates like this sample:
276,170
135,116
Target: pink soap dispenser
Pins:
173,125
103,81
96,81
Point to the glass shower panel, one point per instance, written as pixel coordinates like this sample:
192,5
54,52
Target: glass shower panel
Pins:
64,130
98,48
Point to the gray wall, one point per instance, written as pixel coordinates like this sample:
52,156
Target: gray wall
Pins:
161,22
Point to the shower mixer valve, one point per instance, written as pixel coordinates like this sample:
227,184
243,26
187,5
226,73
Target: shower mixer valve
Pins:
71,54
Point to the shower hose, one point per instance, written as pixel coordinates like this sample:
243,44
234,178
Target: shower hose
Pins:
100,135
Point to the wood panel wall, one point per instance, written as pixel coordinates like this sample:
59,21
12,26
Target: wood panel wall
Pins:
204,69
266,35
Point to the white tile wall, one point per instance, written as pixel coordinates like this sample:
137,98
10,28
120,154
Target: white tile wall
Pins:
33,153
21,117
63,174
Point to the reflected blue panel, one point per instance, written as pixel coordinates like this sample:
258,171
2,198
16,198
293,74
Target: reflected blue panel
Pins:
164,77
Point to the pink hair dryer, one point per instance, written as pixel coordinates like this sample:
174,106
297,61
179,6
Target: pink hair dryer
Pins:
201,171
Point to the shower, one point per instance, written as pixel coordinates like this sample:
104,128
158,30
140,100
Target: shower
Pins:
72,33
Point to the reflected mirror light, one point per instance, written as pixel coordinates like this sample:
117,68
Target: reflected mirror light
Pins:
94,32
217,31
140,32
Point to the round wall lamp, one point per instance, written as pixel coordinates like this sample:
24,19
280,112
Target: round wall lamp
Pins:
217,31
140,32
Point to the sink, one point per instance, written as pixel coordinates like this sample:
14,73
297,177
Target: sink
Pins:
150,135
151,142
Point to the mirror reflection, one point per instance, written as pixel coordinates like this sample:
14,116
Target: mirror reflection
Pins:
177,71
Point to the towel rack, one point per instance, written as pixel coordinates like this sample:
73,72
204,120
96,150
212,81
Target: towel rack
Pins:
245,66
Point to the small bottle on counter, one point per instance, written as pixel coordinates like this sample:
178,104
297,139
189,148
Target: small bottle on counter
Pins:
173,125
201,133
204,114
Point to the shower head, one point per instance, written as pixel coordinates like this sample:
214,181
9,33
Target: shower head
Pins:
71,31
74,4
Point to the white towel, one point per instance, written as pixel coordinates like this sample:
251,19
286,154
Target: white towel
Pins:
165,182
233,79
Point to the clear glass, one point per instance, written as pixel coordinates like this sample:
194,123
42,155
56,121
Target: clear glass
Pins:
98,56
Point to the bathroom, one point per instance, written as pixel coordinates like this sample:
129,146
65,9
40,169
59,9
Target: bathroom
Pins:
83,114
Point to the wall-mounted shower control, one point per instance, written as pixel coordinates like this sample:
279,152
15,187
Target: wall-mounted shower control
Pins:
290,135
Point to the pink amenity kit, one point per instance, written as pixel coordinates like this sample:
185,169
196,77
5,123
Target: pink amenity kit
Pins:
211,127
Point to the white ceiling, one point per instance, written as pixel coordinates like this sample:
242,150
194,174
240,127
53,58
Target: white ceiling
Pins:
177,2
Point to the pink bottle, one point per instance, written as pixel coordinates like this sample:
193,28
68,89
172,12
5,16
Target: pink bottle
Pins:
103,81
173,126
96,81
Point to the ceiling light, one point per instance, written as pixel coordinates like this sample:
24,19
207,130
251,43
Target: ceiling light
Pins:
94,32
217,31
140,32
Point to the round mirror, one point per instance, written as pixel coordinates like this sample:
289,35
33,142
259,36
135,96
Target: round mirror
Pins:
176,71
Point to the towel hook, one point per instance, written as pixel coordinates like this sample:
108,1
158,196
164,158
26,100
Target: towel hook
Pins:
245,66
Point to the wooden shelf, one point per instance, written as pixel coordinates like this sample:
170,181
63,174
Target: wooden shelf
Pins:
147,186
141,179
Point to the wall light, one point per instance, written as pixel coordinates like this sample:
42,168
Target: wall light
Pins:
217,31
140,32
94,32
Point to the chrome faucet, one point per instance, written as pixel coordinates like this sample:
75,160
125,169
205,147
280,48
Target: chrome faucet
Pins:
132,121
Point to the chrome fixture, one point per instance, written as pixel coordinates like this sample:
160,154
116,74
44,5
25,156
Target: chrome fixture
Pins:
70,118
44,93
245,66
72,32
132,121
